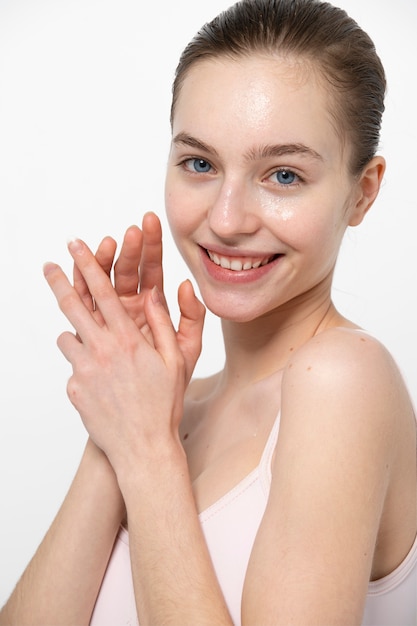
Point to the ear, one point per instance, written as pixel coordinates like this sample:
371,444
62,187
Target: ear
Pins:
368,187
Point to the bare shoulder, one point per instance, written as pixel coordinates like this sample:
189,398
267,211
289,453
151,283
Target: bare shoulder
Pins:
347,365
344,385
347,347
343,479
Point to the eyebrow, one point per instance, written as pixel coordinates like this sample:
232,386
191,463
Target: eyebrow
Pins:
260,152
265,152
188,140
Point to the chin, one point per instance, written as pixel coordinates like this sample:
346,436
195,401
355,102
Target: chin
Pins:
233,310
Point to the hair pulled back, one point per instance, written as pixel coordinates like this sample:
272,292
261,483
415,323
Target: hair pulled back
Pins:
317,32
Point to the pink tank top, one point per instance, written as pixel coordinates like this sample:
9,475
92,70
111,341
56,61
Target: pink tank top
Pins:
230,526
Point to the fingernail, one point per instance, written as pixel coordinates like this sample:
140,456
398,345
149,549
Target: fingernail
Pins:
48,268
156,299
75,246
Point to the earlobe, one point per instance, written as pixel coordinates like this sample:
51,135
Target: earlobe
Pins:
368,188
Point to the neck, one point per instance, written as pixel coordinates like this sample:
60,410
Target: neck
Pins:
256,349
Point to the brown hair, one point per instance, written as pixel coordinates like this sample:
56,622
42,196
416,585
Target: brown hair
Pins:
316,31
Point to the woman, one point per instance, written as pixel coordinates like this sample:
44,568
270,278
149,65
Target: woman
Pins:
281,490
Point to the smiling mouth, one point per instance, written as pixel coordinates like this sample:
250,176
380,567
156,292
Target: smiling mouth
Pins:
239,264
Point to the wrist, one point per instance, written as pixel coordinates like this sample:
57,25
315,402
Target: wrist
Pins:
98,471
151,470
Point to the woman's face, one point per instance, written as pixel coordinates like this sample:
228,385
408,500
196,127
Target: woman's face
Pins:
258,193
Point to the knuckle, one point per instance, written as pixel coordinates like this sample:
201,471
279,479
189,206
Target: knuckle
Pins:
120,268
67,301
101,291
73,390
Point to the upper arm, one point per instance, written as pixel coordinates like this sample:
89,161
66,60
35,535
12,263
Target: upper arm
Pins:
312,558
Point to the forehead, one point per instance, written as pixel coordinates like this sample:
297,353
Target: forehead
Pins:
257,99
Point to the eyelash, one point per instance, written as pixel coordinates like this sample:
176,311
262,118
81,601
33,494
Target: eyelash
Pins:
298,180
184,163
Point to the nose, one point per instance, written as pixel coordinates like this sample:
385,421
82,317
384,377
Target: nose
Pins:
234,211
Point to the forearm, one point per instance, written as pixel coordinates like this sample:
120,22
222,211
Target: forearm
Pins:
118,375
61,583
174,579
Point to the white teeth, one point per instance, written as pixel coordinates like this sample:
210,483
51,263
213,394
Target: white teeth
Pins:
235,264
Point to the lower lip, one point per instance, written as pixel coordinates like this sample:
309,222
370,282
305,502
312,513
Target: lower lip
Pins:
224,275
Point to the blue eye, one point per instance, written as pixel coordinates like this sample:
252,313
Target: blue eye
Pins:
199,166
285,177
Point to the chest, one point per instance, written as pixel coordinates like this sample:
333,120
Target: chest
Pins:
224,439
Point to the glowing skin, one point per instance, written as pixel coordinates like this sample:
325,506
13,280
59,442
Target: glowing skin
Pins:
257,173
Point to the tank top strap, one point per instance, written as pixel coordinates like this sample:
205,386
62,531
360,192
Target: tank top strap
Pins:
265,465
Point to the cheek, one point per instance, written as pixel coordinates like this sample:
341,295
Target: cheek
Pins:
277,209
299,221
322,236
180,209
187,202
309,231
173,214
173,203
321,240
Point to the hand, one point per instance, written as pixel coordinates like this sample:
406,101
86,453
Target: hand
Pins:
139,266
117,374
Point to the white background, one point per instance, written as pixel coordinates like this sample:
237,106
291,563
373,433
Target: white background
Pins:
84,134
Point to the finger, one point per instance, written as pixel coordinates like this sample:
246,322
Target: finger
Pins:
81,288
126,269
105,256
190,329
160,324
100,287
70,302
151,273
69,346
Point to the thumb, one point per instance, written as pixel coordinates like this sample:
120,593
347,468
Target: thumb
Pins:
190,328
